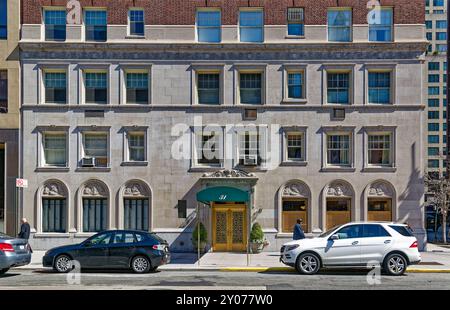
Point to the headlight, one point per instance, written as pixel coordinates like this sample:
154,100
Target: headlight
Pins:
291,247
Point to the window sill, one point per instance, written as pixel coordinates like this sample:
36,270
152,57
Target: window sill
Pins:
294,101
134,163
136,36
294,37
51,235
251,168
204,168
294,163
379,169
96,169
338,169
52,169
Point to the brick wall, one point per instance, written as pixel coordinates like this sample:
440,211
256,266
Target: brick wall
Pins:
182,12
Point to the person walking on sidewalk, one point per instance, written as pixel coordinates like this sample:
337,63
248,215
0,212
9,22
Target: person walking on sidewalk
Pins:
298,231
25,231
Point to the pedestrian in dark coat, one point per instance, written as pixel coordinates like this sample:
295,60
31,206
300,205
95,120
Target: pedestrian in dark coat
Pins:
24,229
298,231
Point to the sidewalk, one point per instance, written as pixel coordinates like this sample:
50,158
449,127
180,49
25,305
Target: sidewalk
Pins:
435,260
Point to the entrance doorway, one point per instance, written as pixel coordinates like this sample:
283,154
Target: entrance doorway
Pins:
2,188
229,227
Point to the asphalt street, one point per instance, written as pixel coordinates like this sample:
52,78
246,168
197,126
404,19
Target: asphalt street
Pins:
204,280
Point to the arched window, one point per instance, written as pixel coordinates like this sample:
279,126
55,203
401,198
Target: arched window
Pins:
380,198
54,207
339,196
95,198
136,204
295,196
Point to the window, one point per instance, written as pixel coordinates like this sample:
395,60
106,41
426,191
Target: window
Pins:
338,211
433,163
433,151
251,26
249,149
55,87
136,214
95,23
351,231
433,78
295,82
429,36
55,25
433,139
433,127
293,209
338,88
380,87
373,231
250,88
3,91
137,87
209,26
433,103
433,66
54,215
208,148
433,114
441,48
136,20
94,215
96,89
429,24
295,22
295,146
441,24
101,239
380,25
55,149
338,150
339,25
402,230
441,36
433,90
380,149
136,146
208,88
96,146
124,238
438,2
3,19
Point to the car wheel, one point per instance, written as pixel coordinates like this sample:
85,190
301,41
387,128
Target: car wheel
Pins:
3,271
63,264
141,264
395,264
308,263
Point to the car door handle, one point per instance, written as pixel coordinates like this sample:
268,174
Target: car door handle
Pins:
355,242
387,241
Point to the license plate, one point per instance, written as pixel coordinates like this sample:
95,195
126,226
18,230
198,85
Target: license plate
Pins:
22,247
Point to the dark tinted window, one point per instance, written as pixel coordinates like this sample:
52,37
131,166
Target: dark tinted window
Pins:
349,232
374,231
124,238
402,230
139,237
3,20
101,239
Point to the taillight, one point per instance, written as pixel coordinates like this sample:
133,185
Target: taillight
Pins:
6,247
158,247
414,245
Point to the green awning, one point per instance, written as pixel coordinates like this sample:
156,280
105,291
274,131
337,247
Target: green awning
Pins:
222,194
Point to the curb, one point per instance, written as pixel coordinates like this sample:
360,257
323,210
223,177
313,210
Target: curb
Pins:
253,269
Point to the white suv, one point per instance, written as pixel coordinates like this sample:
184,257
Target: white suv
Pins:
355,245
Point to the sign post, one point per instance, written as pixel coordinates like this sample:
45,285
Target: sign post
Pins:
20,183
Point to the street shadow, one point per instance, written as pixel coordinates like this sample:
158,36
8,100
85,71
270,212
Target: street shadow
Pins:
92,271
324,272
9,275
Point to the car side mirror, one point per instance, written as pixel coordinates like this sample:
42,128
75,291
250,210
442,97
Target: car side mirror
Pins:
334,237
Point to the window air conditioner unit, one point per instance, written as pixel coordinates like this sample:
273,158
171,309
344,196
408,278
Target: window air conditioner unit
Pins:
251,160
88,162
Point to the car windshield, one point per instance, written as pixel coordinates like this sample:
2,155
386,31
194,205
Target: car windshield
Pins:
327,233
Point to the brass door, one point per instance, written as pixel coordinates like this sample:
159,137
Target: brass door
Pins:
229,228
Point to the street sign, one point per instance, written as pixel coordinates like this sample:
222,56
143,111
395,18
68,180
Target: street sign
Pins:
23,183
